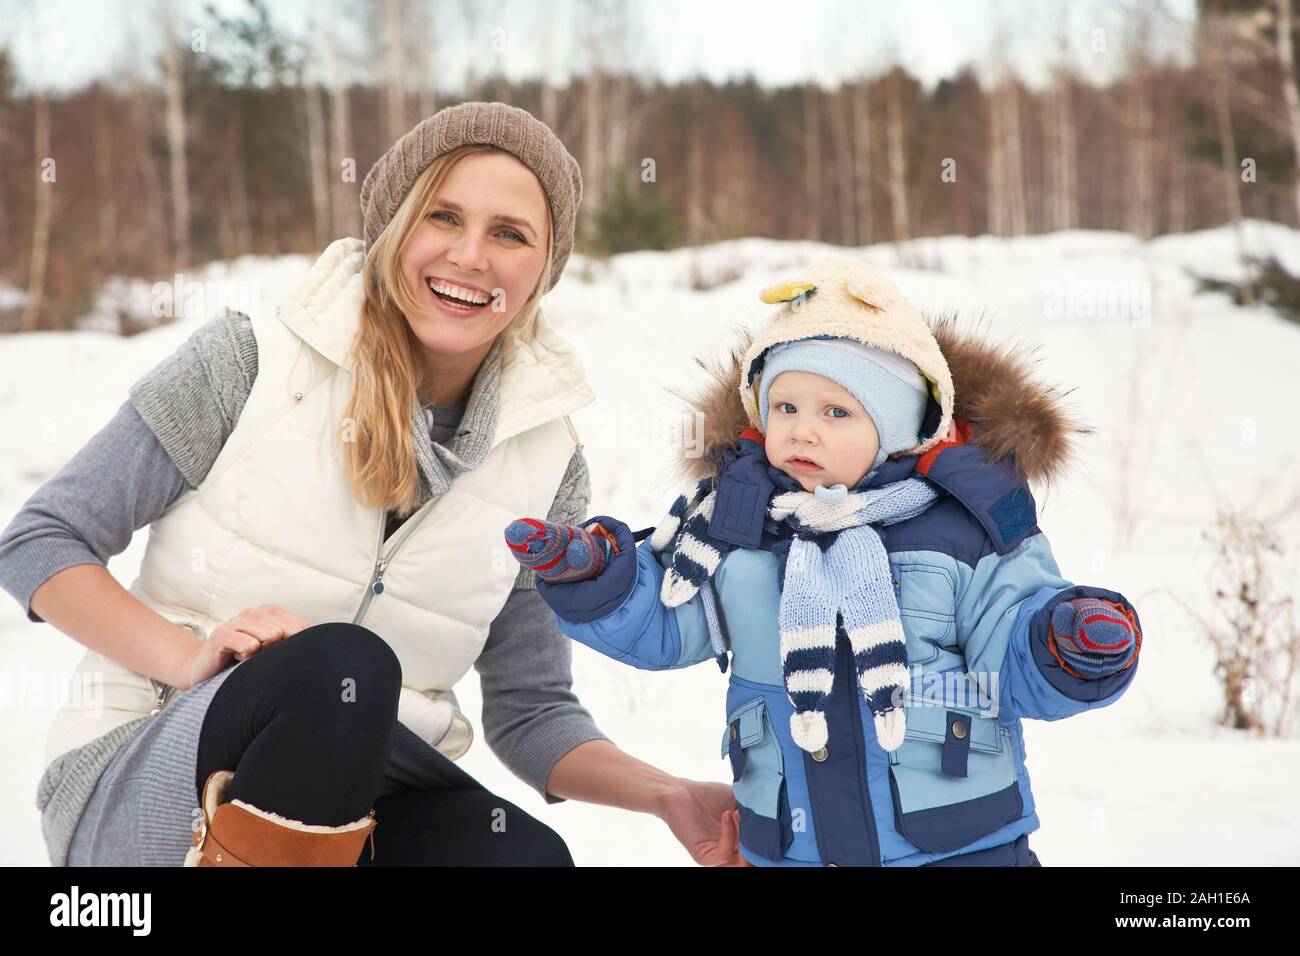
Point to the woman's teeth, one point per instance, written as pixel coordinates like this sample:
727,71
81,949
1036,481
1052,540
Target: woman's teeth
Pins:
457,296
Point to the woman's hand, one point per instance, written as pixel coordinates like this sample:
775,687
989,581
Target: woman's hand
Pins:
240,638
702,816
705,820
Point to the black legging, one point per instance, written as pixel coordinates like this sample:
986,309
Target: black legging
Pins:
306,724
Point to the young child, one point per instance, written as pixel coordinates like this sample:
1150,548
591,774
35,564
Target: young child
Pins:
863,543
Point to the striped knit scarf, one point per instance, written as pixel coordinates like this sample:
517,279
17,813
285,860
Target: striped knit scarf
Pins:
849,578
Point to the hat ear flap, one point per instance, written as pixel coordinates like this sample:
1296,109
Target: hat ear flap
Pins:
865,291
787,291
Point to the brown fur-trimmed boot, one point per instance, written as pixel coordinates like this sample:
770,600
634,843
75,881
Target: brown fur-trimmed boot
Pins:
239,834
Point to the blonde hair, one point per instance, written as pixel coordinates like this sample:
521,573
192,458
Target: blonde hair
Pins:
389,373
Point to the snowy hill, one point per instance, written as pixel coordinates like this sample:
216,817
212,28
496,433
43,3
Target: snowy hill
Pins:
1191,398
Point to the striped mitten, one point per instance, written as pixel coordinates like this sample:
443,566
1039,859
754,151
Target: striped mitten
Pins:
1094,638
560,552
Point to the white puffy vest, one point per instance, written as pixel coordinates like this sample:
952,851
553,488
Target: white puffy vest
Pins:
274,521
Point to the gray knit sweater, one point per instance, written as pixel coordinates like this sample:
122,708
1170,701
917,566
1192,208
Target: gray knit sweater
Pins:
166,437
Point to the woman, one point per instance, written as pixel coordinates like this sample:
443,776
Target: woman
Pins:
338,471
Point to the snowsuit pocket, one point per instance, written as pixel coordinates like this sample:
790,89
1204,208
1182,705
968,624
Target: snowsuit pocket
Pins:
953,780
926,598
758,780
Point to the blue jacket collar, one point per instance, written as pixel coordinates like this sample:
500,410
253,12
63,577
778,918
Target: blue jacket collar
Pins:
995,493
746,482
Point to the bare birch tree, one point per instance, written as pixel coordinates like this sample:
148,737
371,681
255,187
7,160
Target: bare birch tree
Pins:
695,186
895,134
1139,166
43,213
841,117
317,162
1219,56
812,162
863,145
593,118
1007,216
1062,179
104,181
343,193
174,90
391,26
424,33
1290,95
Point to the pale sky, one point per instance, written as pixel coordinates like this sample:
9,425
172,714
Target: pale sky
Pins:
67,43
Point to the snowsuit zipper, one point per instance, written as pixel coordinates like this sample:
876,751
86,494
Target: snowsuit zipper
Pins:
845,825
873,834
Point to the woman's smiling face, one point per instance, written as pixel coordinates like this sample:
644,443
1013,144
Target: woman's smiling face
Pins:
477,255
817,432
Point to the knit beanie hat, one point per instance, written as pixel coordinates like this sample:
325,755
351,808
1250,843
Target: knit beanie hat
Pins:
516,131
888,386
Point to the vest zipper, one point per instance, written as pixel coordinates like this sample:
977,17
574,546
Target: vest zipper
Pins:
159,695
376,585
160,690
574,432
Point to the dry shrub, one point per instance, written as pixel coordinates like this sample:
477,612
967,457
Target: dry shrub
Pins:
1253,626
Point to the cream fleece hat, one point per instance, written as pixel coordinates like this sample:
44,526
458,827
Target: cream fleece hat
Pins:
839,297
516,131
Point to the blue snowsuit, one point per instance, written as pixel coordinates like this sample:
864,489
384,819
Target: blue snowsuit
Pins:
976,584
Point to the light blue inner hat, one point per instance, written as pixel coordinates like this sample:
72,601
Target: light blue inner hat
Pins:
890,388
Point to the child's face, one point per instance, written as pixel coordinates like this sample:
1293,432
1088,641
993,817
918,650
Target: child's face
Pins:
811,419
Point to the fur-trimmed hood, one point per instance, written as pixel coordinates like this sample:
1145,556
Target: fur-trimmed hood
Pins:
1011,415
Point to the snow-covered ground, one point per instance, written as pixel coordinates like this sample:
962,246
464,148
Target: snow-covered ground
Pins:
1191,399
